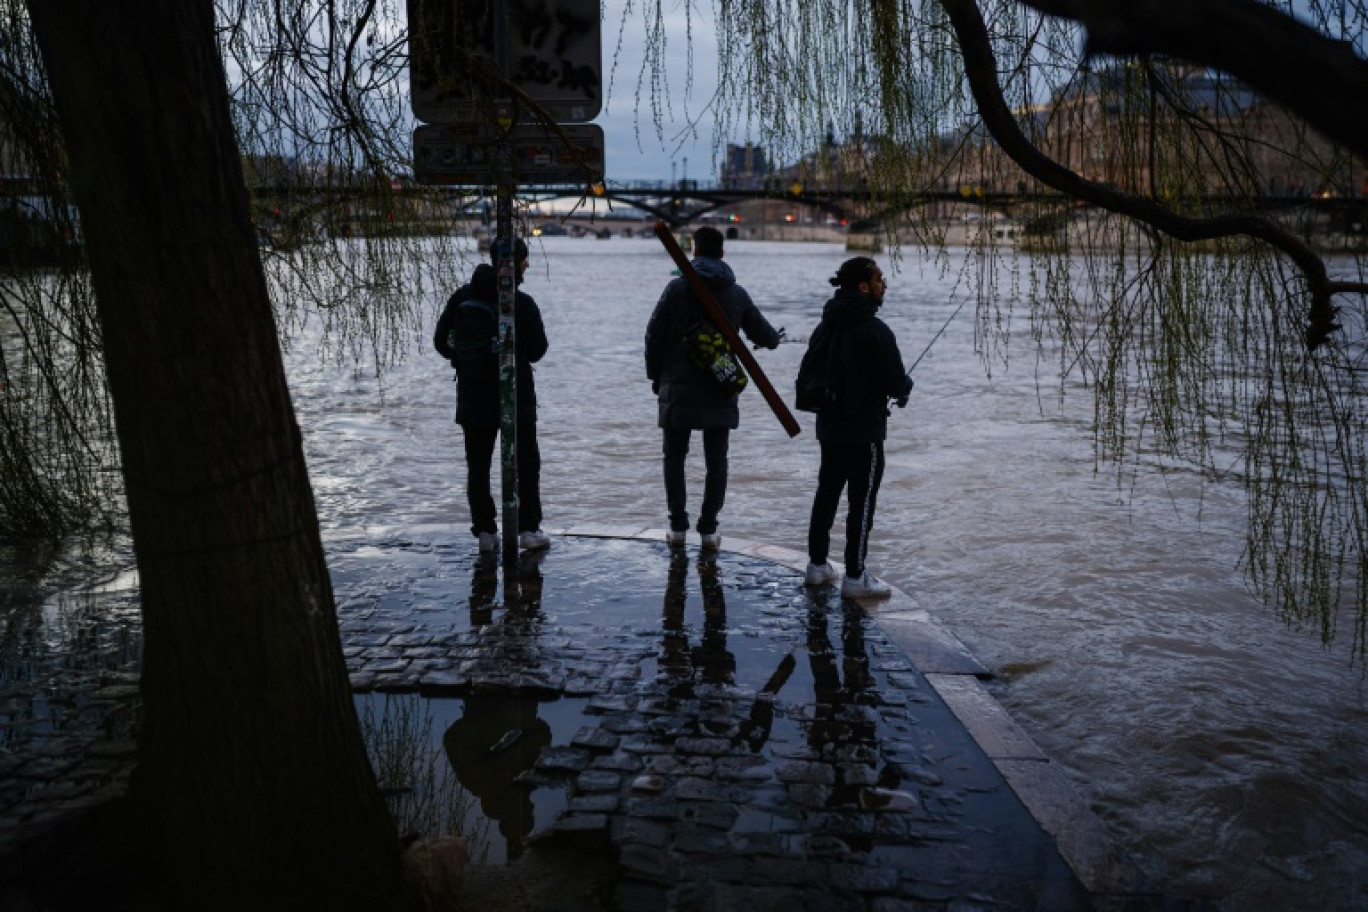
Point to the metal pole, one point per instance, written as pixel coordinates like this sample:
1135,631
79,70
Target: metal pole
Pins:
505,263
506,267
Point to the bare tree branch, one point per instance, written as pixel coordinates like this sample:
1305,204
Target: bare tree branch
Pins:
1320,78
980,66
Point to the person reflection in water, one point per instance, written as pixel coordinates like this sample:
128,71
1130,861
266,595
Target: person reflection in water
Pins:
709,662
499,735
484,588
843,728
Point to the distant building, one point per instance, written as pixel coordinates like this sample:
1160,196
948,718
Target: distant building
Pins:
745,167
1100,128
1229,141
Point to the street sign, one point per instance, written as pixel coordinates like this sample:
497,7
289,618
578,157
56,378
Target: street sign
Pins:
467,154
555,59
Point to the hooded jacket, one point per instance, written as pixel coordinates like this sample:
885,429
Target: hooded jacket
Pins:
477,391
686,397
870,373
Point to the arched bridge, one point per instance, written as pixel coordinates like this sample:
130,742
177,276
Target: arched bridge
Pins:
683,202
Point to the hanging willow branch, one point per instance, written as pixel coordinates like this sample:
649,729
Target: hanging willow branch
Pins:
1208,328
981,69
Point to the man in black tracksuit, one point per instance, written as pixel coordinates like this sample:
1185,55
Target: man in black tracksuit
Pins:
867,370
464,335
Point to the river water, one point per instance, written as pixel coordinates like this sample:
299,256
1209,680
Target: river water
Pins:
1223,750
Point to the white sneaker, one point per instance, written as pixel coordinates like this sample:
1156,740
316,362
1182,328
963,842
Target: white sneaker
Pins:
711,541
866,585
533,541
818,574
489,542
674,538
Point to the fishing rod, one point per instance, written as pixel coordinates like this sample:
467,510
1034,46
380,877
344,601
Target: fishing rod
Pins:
937,336
902,400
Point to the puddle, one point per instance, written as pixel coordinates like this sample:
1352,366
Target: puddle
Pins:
466,767
545,695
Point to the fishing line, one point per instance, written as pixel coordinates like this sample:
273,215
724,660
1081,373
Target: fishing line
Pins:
937,336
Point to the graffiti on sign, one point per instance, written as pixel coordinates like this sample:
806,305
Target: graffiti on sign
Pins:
555,58
465,155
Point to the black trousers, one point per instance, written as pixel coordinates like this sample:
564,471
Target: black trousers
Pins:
479,451
856,468
715,445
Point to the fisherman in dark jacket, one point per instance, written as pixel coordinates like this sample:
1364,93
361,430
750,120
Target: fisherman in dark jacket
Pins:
687,397
868,371
466,334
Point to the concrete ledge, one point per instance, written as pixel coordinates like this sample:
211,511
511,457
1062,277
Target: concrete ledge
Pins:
954,673
787,557
984,717
1042,786
932,648
1081,837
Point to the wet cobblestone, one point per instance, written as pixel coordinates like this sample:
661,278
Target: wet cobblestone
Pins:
742,743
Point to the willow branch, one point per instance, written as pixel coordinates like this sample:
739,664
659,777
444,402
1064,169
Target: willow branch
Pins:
980,66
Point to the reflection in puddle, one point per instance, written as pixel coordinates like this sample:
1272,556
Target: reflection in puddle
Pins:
794,712
495,742
464,766
460,767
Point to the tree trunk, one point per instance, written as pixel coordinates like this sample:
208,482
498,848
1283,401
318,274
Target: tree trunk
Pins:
252,774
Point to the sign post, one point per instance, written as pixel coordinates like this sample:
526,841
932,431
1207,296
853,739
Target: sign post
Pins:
505,88
506,268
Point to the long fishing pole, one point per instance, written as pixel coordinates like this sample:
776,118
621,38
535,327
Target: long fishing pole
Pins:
937,336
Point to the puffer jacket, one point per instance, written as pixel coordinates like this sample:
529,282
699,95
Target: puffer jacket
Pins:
871,370
477,395
685,394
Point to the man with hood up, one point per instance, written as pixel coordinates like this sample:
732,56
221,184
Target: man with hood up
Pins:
467,334
867,370
687,398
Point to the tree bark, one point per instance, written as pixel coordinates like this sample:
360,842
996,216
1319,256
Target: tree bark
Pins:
252,775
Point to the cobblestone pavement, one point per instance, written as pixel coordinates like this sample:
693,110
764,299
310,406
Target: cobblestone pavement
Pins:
731,738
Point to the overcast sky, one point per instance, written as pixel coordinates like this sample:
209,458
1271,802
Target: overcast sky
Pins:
633,149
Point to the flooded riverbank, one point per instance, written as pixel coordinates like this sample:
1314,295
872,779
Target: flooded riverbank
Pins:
1223,750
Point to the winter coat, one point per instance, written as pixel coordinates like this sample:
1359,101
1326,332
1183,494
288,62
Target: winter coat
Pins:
869,370
686,396
477,386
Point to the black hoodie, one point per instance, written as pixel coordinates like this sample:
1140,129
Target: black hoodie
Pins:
872,369
686,397
477,397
